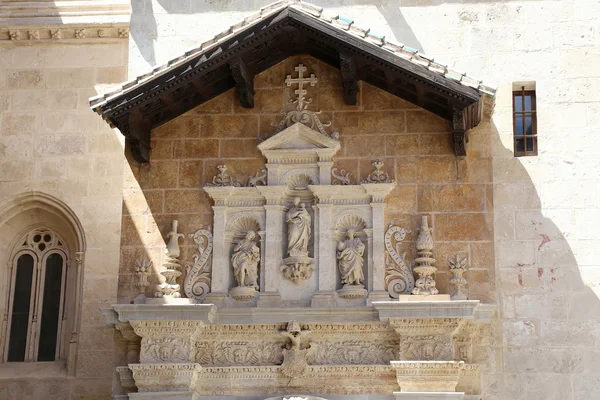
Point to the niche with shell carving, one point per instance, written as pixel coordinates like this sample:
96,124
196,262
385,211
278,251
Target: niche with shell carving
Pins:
238,227
354,220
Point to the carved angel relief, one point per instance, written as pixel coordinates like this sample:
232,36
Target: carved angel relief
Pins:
197,280
399,278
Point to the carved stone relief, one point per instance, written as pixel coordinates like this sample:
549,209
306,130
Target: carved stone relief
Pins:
297,352
351,352
197,280
399,278
238,353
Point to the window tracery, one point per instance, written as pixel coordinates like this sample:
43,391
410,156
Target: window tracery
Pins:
36,314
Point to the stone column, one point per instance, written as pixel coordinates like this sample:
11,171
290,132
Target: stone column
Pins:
325,172
220,261
273,253
378,194
327,264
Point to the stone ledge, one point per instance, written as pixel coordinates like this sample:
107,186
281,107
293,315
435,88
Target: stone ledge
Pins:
92,13
470,309
379,311
128,312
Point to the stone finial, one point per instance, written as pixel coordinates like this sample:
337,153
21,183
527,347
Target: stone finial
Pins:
142,271
425,285
458,267
378,175
172,266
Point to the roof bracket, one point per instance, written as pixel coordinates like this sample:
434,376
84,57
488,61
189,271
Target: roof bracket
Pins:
244,83
349,78
459,132
139,137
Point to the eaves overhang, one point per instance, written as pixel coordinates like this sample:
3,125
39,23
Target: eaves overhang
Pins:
232,58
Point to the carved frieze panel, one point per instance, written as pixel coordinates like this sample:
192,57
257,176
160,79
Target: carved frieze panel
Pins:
237,353
427,347
172,350
355,352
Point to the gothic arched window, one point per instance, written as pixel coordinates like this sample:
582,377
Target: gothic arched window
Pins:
36,303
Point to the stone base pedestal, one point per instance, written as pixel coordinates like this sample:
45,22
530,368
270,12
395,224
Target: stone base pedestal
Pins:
269,299
218,299
430,396
323,300
352,292
164,396
424,297
427,376
170,300
378,295
243,293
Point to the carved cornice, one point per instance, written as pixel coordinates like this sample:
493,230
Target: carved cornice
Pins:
81,14
165,377
166,329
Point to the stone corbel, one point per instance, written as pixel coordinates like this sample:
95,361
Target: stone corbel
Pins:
426,339
349,78
168,341
244,83
138,137
459,132
133,341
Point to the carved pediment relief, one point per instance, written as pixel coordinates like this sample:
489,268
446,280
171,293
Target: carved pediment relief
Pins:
299,139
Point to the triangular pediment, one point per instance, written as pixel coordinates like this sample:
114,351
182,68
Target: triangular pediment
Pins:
299,137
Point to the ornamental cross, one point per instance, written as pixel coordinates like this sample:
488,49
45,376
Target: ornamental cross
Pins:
301,80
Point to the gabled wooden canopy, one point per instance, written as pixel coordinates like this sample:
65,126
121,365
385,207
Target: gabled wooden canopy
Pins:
234,58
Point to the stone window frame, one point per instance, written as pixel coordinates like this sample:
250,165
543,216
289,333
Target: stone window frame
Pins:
533,136
29,246
19,215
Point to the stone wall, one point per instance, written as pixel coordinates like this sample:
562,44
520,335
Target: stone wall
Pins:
546,207
51,142
415,145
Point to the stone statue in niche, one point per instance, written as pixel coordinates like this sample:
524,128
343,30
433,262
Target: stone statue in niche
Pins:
298,267
350,259
245,260
298,220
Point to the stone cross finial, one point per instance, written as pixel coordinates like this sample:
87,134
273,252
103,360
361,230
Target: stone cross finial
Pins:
301,80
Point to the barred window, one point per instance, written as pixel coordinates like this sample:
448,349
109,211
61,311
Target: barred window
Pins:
525,122
36,298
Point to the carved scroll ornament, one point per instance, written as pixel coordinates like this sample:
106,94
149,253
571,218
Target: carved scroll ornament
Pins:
197,280
399,278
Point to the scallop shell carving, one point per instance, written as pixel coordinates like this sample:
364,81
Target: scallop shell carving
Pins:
299,182
348,222
243,224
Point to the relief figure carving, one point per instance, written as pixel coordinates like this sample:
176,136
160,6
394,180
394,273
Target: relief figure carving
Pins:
245,259
298,220
350,259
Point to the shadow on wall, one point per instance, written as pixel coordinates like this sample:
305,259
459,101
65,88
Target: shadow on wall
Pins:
547,314
144,27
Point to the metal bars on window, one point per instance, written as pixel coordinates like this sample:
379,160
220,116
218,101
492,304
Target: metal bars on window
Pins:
525,123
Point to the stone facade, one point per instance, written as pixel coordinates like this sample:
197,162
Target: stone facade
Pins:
525,225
